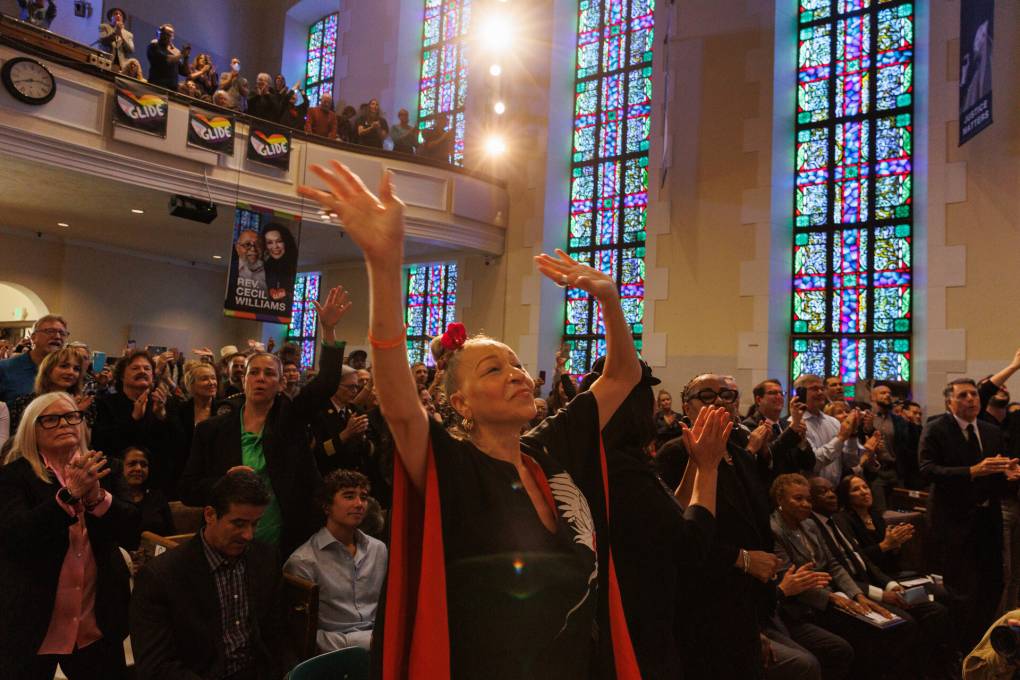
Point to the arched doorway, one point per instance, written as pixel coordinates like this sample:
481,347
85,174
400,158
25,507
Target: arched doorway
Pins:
20,307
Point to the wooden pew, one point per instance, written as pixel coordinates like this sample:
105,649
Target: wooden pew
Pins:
301,615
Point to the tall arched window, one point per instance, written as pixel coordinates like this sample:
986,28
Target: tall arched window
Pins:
853,208
443,87
320,60
302,327
431,305
609,167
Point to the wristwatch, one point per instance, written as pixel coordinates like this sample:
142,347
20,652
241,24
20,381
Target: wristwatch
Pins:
65,497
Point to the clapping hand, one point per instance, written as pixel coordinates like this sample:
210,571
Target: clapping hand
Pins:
803,578
138,410
82,474
565,271
895,536
759,437
374,223
706,442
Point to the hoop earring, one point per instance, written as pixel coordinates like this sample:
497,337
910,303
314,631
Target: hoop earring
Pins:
468,425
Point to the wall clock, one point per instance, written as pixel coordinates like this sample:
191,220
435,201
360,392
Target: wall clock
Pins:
28,81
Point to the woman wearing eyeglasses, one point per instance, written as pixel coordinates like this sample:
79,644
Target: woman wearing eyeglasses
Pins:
65,585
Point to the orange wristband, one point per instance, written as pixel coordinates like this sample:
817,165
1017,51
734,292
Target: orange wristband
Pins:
387,344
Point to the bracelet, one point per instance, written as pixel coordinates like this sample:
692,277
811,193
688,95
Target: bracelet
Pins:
747,560
89,507
392,343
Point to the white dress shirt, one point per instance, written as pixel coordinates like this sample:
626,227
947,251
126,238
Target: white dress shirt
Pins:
834,459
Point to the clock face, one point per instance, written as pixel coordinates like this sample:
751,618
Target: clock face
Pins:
29,81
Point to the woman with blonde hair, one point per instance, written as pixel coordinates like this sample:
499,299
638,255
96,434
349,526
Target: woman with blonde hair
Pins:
61,371
65,595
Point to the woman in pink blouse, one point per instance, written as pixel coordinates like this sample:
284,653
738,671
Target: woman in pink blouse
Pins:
65,593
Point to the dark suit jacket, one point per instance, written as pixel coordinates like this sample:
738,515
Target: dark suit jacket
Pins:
867,541
33,543
175,615
874,575
216,448
116,430
720,608
786,452
945,461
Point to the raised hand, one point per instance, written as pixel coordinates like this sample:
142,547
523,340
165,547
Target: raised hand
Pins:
83,401
332,310
375,223
565,271
706,442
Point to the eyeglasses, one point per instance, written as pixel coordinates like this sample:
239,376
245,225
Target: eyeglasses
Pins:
707,396
53,331
350,386
247,246
52,421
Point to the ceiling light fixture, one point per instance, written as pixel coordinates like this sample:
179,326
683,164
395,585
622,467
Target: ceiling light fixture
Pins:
137,211
217,257
63,224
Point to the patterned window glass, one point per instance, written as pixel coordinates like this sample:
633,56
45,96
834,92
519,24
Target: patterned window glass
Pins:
320,61
443,86
853,199
302,321
609,167
431,305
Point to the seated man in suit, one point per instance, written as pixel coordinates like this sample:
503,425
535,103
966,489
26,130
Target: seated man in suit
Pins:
961,456
208,608
348,566
934,649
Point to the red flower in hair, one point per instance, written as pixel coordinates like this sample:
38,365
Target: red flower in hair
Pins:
454,337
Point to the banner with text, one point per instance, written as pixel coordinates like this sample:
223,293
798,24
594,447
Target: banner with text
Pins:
977,22
263,264
140,107
211,131
269,145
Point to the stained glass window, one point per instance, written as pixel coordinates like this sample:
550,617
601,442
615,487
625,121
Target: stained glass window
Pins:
853,199
321,58
431,305
443,87
302,327
609,167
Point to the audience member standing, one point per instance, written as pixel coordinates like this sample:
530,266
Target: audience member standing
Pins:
208,609
340,431
17,374
787,449
345,125
348,565
203,75
116,38
268,435
321,119
39,13
166,62
65,588
835,446
667,421
292,114
437,141
264,103
61,371
405,137
371,128
960,456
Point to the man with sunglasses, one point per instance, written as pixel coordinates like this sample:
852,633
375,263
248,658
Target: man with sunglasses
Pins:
17,374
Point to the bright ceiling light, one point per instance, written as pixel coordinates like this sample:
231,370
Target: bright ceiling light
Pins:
217,257
495,146
499,108
63,224
495,70
137,211
496,32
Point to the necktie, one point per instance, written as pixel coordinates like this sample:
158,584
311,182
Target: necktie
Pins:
776,430
973,445
856,563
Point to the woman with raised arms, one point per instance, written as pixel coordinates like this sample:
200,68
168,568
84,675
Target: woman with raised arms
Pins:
493,567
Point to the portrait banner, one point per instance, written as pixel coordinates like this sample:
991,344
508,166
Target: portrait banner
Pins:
211,131
140,107
977,23
263,265
269,145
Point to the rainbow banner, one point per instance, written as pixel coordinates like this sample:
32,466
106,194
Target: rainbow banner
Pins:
139,107
211,131
269,145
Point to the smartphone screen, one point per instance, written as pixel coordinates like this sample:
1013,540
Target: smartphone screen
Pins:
98,361
541,375
801,393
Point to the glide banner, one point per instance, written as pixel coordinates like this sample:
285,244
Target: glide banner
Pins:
211,131
140,107
263,264
977,27
269,145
